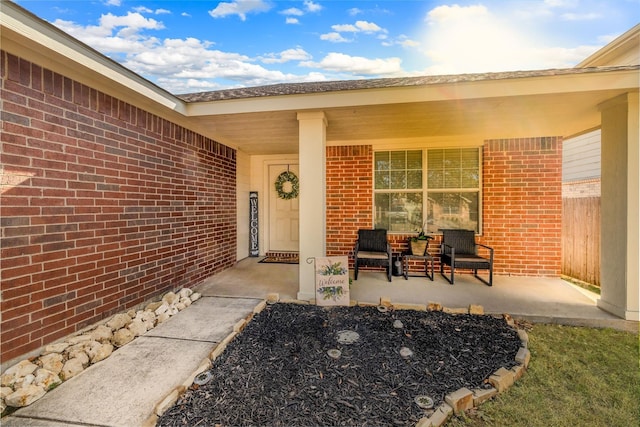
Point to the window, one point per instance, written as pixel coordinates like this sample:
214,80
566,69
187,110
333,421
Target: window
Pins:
398,189
444,193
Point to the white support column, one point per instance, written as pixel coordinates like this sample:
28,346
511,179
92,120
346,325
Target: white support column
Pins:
312,158
620,200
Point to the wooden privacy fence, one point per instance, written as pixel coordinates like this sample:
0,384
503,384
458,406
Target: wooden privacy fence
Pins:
581,239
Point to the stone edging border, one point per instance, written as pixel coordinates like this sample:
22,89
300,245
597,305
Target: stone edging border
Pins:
30,379
457,402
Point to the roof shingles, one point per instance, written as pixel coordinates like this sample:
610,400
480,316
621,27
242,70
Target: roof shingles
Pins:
344,85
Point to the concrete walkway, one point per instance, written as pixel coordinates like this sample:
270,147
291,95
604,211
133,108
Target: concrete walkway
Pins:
124,389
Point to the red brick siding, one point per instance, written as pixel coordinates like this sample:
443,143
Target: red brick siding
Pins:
349,176
522,205
104,206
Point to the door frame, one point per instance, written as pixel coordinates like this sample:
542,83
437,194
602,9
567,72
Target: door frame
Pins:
267,188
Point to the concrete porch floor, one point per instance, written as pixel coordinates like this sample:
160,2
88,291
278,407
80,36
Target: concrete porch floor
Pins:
543,300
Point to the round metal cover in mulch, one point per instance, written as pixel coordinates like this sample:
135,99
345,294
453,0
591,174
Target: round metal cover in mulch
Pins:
406,352
334,353
203,378
425,402
348,337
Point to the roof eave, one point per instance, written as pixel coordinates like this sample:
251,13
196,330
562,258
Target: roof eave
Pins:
627,41
616,78
36,40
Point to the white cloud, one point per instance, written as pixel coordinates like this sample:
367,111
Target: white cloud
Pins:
580,16
240,8
175,56
608,38
256,78
188,85
190,65
356,28
406,42
80,32
292,11
334,38
181,65
564,10
354,11
297,54
142,9
131,23
113,2
455,13
114,34
339,62
409,43
345,28
561,3
359,26
367,27
312,7
474,39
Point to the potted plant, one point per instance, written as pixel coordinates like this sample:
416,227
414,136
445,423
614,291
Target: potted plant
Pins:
418,244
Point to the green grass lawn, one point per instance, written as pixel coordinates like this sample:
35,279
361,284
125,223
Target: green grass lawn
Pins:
576,377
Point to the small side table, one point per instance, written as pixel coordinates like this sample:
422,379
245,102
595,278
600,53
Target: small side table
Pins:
428,260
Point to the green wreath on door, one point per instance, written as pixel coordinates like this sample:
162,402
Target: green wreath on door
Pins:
287,185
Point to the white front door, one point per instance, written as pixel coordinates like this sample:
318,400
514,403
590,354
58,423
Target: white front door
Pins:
283,213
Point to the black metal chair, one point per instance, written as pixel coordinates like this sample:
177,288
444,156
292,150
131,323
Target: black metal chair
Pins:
460,250
372,249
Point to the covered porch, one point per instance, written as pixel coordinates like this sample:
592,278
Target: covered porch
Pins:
536,299
506,116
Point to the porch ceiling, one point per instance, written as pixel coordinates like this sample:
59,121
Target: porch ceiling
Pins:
541,105
276,132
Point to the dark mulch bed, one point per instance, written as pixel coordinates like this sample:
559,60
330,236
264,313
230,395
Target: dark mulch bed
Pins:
277,372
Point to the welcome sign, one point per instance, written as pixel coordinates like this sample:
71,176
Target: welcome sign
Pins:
332,281
254,248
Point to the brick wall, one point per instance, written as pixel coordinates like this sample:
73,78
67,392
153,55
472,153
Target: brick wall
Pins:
522,204
103,206
349,175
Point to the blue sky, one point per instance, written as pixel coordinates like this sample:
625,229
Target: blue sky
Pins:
193,46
